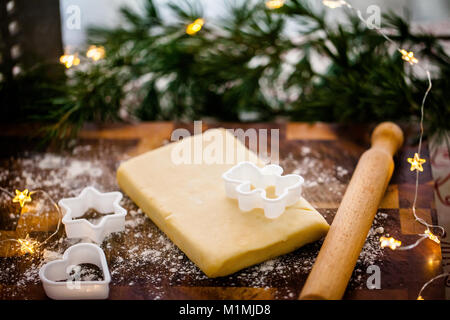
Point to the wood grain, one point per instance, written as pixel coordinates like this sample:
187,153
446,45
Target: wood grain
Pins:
403,273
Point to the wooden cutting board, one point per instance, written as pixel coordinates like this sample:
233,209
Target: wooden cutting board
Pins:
144,264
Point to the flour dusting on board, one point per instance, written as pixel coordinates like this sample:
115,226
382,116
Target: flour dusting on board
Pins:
142,256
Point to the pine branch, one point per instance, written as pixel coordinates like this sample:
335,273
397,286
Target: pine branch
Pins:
237,68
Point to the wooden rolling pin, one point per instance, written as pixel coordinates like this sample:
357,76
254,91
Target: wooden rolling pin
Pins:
337,257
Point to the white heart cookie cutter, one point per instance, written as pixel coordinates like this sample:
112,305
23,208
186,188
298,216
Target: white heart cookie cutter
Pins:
55,272
91,198
240,179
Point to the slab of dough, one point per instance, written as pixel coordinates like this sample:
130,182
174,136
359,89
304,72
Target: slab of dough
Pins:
188,203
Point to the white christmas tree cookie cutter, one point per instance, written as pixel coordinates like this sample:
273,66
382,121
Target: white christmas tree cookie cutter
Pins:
91,198
240,179
60,283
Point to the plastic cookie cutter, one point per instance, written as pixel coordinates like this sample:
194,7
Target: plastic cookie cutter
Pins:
91,198
61,283
247,183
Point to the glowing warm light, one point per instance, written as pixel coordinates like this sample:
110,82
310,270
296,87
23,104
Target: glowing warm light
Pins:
69,60
390,242
195,26
333,4
27,245
419,298
274,4
416,162
431,236
95,53
408,56
22,197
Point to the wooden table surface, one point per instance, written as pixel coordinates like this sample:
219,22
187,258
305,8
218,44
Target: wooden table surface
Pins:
144,264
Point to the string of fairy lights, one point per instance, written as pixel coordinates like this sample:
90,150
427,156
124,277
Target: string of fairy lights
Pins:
97,53
416,161
29,245
94,52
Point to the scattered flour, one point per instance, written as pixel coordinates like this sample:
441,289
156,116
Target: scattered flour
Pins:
148,257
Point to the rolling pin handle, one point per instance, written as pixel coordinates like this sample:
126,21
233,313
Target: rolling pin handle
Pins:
387,136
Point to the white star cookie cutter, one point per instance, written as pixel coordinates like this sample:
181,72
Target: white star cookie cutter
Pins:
60,283
91,198
240,179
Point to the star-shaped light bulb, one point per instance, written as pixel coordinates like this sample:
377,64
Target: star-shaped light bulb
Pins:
27,245
22,197
195,26
69,60
408,56
416,162
274,4
95,53
431,236
390,242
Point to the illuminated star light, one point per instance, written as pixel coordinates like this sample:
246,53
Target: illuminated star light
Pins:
333,4
390,242
27,245
274,4
416,162
22,197
95,53
408,56
431,236
69,60
195,26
